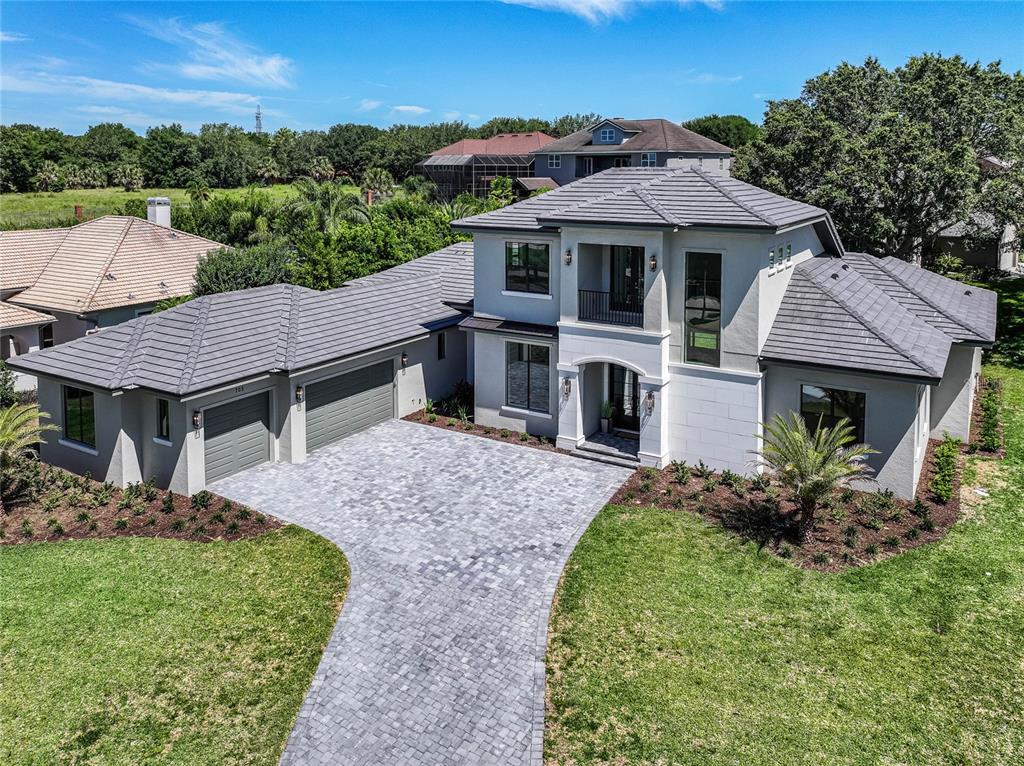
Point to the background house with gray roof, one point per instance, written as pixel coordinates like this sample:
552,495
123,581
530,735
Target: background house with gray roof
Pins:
619,143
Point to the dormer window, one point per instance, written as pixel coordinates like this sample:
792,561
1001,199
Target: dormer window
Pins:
607,135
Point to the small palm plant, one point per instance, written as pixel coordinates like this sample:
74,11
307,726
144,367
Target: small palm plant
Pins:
21,428
377,182
812,465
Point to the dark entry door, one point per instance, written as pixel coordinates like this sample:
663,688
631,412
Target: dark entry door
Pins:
627,278
624,387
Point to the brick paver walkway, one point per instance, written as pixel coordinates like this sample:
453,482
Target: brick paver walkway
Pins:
456,544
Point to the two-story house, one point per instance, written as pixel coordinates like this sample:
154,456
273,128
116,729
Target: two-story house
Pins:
691,307
618,143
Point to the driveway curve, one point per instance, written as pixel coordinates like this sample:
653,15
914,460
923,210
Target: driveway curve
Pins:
456,544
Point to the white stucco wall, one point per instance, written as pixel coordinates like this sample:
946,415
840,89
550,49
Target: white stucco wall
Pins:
16,341
895,421
489,390
953,397
490,297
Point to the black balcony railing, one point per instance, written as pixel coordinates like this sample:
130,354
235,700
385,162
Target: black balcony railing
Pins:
611,308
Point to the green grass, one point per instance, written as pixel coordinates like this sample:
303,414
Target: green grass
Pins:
674,643
132,651
32,207
1009,348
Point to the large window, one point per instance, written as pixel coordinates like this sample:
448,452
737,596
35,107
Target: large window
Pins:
703,315
527,381
163,419
554,160
827,406
526,267
648,160
79,416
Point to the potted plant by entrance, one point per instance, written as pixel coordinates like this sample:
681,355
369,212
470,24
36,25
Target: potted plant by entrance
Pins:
607,410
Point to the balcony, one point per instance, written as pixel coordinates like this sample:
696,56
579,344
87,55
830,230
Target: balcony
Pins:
623,309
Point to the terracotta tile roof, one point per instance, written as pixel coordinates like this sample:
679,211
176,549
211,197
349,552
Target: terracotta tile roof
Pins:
503,143
24,254
115,261
17,316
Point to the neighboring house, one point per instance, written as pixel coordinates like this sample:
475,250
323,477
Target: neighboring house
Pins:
619,143
698,306
225,382
1000,251
21,331
96,274
471,164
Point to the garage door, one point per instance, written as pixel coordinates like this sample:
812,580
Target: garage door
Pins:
348,403
237,436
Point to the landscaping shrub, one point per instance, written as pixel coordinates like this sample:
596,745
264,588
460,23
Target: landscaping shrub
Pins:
989,431
201,500
945,468
167,505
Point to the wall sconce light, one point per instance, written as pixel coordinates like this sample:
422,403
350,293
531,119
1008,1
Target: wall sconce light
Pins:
568,256
649,402
654,262
300,393
405,360
566,386
197,419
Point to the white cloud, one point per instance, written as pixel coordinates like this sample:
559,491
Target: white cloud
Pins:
12,37
213,53
600,11
117,114
410,109
708,78
368,105
110,90
452,115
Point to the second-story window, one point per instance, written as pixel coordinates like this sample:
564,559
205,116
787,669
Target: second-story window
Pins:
554,161
648,160
527,268
607,135
703,312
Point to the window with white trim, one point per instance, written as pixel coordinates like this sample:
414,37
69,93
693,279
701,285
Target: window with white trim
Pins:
527,376
648,160
554,161
607,135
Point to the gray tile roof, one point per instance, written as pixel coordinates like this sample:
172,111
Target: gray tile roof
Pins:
454,264
965,313
650,136
653,197
218,339
833,316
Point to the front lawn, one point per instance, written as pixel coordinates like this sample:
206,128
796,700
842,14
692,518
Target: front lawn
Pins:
674,642
141,650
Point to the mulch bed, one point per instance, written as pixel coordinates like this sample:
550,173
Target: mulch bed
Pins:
855,528
71,507
488,432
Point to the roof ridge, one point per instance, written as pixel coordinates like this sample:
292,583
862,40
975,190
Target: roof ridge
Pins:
106,268
901,281
635,189
192,356
644,194
291,341
129,351
729,196
824,284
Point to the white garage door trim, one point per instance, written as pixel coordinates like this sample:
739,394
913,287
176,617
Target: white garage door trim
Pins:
236,435
344,404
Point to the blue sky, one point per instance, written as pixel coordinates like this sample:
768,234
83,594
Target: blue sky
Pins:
310,65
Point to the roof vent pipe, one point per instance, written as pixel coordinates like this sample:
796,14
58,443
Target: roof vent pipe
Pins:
158,211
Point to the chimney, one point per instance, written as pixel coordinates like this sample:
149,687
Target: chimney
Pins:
158,211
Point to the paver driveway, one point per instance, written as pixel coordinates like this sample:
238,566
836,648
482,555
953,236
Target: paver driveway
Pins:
456,544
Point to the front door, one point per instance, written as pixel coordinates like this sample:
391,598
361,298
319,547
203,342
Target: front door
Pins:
624,394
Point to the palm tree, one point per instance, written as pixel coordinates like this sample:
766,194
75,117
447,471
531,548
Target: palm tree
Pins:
21,428
377,182
330,204
198,192
810,465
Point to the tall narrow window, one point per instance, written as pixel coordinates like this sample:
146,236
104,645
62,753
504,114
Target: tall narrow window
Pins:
79,416
827,406
527,382
703,312
163,419
442,345
46,336
527,267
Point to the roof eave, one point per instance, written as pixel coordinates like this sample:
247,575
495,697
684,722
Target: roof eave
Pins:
931,380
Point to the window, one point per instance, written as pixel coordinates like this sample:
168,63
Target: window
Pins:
771,261
827,406
526,267
789,255
703,313
442,345
46,336
163,419
527,381
721,163
554,161
700,162
622,162
607,135
648,160
79,416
